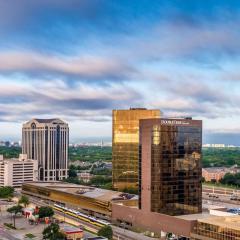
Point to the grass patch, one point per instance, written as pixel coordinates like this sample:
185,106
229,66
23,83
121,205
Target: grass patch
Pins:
219,185
30,235
9,225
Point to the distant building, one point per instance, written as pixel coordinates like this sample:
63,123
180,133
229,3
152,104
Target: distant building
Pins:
46,140
14,172
96,238
170,166
72,232
125,145
214,174
216,145
85,176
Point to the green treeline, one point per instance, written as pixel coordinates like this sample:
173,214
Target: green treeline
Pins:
220,157
217,157
10,152
231,179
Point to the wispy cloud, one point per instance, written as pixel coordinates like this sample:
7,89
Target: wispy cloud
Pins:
82,102
83,67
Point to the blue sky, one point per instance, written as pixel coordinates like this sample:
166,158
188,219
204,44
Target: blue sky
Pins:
79,59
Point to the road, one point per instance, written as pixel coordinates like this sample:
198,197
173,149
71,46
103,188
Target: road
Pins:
5,234
224,195
219,190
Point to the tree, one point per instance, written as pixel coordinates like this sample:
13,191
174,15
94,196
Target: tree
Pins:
52,232
72,173
45,212
231,179
106,231
15,210
130,190
24,200
6,192
100,180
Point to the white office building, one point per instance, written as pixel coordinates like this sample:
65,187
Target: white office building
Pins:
16,171
47,140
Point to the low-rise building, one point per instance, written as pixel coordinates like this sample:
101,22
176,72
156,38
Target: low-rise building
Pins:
217,228
85,176
214,174
14,172
90,200
96,238
72,233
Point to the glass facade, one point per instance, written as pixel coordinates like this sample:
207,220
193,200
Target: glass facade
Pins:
226,230
175,177
125,146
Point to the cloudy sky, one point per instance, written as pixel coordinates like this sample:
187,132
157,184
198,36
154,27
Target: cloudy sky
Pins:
79,59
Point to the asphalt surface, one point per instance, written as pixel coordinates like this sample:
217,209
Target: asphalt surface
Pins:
4,233
219,196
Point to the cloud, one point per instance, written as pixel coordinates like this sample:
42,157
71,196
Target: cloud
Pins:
173,40
27,10
19,103
82,67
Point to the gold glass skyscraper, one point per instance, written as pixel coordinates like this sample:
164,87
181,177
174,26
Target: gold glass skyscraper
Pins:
125,145
170,166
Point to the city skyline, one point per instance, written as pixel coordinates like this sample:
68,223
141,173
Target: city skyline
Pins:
78,60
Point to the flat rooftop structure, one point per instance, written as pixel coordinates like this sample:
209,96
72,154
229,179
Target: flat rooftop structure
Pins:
231,222
69,229
86,191
194,217
96,238
85,197
215,227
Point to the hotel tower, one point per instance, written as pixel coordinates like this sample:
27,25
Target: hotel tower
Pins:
170,170
125,145
46,140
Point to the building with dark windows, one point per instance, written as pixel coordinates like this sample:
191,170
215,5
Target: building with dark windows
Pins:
125,145
46,140
170,166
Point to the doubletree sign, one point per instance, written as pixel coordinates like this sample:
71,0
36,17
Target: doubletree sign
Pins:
174,122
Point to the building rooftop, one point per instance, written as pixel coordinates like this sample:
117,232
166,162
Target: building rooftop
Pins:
232,222
96,238
22,158
214,169
196,216
71,229
86,191
45,120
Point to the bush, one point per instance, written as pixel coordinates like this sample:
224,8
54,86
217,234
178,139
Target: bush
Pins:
231,179
6,192
29,235
45,212
9,225
52,232
24,200
106,232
